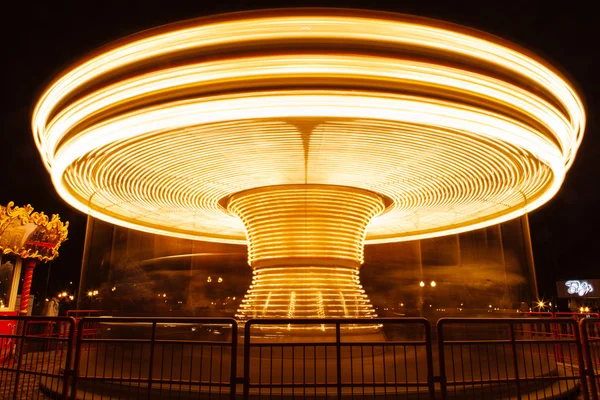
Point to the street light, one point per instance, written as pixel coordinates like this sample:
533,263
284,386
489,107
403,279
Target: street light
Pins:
541,304
422,284
433,284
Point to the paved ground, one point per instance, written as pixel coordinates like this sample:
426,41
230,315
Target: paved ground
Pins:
33,363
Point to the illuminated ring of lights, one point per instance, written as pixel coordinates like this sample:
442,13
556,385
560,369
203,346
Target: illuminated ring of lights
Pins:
305,224
459,129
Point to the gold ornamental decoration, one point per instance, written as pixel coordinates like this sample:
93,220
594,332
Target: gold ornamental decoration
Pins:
30,234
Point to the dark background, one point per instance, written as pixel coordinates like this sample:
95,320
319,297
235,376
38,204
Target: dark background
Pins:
40,39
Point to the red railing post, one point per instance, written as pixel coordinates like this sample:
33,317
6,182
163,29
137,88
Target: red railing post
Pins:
26,290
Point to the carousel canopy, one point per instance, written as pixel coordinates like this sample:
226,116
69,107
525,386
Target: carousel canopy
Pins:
30,234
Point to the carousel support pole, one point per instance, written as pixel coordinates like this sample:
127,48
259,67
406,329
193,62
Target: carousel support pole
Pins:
26,290
29,265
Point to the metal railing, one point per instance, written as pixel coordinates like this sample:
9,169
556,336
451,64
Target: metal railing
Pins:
383,357
78,314
28,357
508,360
155,358
590,335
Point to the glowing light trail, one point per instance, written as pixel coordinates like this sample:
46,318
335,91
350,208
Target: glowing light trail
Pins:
436,129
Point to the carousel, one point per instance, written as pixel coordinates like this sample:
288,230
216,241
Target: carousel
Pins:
26,238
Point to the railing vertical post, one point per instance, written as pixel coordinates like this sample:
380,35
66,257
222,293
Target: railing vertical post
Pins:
247,329
233,377
151,363
338,346
580,362
442,357
67,372
588,369
513,345
556,335
77,361
429,355
21,324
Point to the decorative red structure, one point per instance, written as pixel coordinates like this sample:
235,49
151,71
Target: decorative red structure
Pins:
26,289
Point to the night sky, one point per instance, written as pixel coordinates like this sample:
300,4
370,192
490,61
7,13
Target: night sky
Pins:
40,39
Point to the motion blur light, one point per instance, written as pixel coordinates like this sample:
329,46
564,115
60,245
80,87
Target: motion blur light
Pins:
312,146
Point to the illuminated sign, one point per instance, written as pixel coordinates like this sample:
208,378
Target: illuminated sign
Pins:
577,288
581,288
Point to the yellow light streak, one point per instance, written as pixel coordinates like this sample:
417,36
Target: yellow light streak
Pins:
434,130
272,297
473,144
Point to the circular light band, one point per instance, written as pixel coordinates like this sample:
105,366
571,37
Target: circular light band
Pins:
457,129
305,224
306,292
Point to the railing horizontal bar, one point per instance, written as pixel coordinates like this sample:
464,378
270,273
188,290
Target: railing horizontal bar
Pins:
365,384
291,385
295,344
474,342
416,343
32,337
37,319
154,381
83,341
35,373
333,344
172,341
335,321
506,321
546,378
162,320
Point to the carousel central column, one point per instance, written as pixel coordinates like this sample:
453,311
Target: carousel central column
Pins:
305,246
